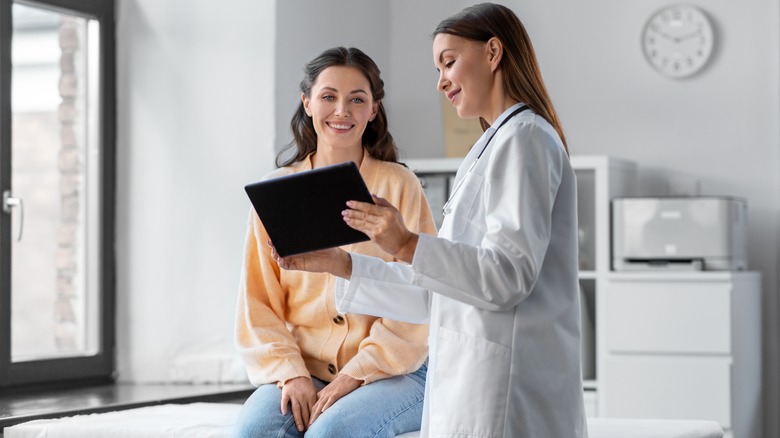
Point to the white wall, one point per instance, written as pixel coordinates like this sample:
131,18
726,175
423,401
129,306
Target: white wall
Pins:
413,104
206,93
195,123
720,127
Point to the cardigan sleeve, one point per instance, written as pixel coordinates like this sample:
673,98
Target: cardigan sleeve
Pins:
267,347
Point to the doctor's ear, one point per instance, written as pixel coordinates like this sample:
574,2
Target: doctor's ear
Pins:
495,51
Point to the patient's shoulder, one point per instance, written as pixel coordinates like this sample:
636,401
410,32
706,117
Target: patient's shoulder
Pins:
282,171
396,171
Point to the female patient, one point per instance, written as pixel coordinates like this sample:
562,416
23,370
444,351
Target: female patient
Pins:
499,283
317,370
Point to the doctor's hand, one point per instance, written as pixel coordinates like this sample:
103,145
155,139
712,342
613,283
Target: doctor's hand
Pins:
330,394
301,395
384,225
335,261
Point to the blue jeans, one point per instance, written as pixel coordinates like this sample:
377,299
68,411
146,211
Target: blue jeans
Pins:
384,408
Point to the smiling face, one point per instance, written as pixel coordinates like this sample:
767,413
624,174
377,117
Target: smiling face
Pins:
465,75
340,105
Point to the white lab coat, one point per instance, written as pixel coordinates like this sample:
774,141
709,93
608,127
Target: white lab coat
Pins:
499,288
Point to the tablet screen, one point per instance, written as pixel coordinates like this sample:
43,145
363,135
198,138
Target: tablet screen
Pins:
302,212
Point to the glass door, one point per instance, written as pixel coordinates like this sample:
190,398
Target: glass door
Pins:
57,287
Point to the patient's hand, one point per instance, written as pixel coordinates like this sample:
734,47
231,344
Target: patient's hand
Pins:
339,387
301,396
334,261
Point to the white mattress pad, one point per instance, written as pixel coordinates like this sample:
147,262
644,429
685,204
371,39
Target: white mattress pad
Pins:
215,420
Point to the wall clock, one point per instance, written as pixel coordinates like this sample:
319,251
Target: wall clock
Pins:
678,40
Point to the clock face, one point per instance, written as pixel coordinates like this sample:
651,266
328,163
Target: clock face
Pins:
678,40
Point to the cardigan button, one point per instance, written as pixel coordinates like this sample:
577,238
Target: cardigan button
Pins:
332,369
338,319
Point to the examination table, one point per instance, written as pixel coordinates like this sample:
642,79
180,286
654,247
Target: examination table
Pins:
215,420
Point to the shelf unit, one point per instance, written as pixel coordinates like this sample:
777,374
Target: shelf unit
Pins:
599,180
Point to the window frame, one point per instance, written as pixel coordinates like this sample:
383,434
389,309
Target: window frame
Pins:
99,368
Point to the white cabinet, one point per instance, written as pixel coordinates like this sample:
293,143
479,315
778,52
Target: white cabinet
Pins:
599,180
683,345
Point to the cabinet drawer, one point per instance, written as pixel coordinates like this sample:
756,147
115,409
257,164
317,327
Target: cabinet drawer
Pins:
673,387
668,317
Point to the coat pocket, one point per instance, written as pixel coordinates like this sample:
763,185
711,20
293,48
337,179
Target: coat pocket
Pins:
469,393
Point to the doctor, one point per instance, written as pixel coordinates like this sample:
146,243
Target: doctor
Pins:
499,284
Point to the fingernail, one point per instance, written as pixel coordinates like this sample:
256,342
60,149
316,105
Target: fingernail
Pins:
349,203
344,212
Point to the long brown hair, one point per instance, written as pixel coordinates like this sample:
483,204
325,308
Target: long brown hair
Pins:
376,138
523,78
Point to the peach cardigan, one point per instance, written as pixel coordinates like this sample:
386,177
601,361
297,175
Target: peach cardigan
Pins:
286,323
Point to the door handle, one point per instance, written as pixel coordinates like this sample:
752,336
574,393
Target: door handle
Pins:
10,202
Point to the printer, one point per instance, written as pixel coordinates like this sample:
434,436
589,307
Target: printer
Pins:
679,233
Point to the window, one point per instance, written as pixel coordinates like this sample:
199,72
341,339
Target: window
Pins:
57,135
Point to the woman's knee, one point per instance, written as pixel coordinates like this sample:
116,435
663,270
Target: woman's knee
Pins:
325,427
261,426
261,416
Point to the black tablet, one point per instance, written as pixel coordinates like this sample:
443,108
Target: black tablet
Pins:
302,211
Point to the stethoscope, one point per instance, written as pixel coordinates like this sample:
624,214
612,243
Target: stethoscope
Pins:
446,209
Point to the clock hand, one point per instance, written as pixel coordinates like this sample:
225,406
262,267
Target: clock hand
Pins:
667,36
688,36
